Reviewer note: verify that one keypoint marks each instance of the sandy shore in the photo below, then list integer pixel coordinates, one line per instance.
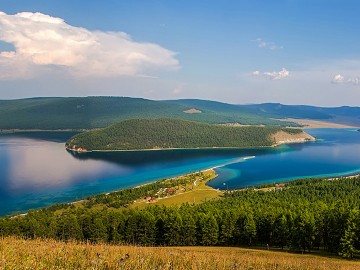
(307, 123)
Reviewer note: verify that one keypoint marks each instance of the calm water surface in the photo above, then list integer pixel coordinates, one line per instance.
(37, 171)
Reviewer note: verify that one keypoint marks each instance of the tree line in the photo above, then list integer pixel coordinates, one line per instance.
(174, 133)
(306, 215)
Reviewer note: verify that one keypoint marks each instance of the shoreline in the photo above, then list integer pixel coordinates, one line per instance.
(45, 130)
(311, 123)
(213, 168)
(192, 148)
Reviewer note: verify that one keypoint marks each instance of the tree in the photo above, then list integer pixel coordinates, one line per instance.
(207, 230)
(281, 231)
(245, 229)
(146, 229)
(226, 228)
(67, 227)
(304, 233)
(349, 241)
(115, 226)
(188, 230)
(172, 228)
(131, 228)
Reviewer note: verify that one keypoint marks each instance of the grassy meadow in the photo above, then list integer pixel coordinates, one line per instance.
(16, 253)
(194, 192)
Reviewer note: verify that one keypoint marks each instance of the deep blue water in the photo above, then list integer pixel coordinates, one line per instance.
(37, 171)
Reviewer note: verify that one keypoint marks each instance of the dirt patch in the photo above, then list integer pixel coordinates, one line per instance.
(193, 111)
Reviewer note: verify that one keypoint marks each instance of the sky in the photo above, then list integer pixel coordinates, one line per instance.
(235, 51)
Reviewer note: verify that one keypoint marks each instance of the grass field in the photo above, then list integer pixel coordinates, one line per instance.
(195, 192)
(49, 254)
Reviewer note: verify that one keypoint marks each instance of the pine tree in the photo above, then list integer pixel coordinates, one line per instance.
(188, 230)
(146, 229)
(349, 240)
(226, 228)
(281, 231)
(172, 228)
(209, 230)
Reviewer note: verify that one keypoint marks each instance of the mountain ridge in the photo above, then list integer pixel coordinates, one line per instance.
(53, 113)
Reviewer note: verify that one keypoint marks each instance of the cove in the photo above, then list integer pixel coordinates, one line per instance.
(37, 171)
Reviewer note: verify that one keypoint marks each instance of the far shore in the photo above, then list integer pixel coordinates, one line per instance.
(307, 123)
(193, 148)
(44, 130)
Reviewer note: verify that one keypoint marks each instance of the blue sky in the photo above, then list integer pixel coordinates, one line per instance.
(288, 51)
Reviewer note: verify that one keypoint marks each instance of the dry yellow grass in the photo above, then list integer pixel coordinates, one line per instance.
(49, 254)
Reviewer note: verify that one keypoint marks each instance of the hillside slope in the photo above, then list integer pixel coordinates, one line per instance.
(49, 254)
(342, 115)
(97, 112)
(173, 133)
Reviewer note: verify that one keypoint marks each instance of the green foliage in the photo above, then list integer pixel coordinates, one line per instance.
(349, 243)
(97, 112)
(306, 215)
(125, 197)
(171, 133)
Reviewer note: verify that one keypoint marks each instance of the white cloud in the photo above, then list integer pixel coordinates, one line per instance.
(267, 44)
(354, 81)
(44, 42)
(274, 75)
(339, 79)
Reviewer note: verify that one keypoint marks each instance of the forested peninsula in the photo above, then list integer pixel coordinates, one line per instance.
(155, 134)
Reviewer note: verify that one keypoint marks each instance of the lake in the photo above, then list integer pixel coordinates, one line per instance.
(36, 170)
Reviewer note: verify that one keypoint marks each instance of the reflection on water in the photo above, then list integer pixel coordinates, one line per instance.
(36, 170)
(136, 158)
(36, 165)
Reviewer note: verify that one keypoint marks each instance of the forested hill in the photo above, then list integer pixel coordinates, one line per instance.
(98, 112)
(304, 215)
(173, 133)
(342, 115)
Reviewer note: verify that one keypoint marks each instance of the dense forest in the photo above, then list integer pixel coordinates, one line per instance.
(303, 215)
(173, 133)
(51, 113)
(97, 112)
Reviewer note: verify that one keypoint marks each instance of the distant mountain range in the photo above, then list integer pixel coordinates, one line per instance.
(97, 112)
(342, 115)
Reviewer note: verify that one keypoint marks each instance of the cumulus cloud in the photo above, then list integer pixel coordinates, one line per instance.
(339, 79)
(44, 42)
(267, 44)
(274, 75)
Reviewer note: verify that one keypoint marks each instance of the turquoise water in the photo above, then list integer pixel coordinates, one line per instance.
(37, 171)
(336, 154)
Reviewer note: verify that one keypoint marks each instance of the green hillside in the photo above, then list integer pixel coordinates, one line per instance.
(97, 112)
(173, 133)
(341, 115)
(304, 215)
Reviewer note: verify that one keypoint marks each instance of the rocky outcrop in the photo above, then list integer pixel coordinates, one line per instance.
(282, 137)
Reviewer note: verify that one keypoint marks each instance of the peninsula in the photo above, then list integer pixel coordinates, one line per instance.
(159, 134)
